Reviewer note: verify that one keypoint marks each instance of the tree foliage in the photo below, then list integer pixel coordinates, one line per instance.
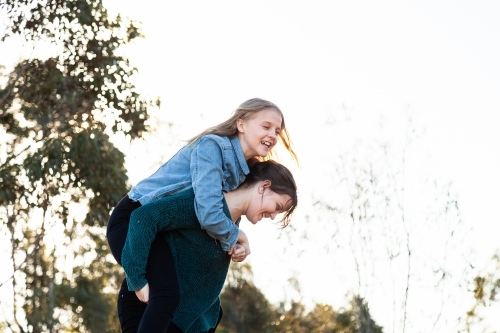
(485, 291)
(247, 310)
(60, 174)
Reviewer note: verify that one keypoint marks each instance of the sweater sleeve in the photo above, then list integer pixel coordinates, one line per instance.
(145, 222)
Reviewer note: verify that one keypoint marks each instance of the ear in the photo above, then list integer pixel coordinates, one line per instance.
(265, 184)
(240, 125)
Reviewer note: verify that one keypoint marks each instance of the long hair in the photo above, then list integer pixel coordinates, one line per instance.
(245, 111)
(282, 182)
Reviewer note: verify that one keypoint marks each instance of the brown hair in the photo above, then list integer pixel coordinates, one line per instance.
(282, 182)
(245, 111)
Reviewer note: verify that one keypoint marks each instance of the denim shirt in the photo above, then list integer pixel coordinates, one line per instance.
(210, 166)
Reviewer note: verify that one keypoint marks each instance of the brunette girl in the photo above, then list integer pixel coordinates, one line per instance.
(201, 264)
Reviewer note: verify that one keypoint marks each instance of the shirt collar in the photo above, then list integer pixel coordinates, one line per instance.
(235, 142)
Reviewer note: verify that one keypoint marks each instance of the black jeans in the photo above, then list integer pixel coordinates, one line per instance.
(164, 294)
(127, 302)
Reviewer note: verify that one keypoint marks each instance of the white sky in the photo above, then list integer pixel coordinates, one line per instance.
(437, 58)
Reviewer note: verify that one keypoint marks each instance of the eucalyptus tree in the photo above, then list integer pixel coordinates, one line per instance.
(60, 175)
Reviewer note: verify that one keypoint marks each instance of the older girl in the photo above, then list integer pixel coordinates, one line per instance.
(201, 264)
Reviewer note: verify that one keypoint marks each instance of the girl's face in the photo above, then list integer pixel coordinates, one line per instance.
(266, 204)
(258, 135)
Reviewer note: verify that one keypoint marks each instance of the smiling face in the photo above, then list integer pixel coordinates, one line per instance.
(266, 204)
(259, 134)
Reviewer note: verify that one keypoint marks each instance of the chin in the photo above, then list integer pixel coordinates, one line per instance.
(264, 154)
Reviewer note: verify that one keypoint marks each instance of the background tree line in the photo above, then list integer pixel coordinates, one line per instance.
(247, 310)
(60, 175)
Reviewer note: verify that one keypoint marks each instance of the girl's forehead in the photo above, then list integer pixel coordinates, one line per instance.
(268, 114)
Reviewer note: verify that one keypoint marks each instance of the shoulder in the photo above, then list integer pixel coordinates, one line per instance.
(222, 141)
(214, 144)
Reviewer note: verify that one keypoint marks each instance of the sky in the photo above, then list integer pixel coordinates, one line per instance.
(321, 62)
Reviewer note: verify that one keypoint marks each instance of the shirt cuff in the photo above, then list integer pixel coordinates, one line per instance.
(226, 246)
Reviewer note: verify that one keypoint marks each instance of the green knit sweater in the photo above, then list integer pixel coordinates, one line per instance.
(200, 262)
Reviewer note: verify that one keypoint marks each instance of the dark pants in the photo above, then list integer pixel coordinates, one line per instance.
(164, 294)
(127, 302)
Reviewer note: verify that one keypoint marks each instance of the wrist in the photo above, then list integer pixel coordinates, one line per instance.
(242, 237)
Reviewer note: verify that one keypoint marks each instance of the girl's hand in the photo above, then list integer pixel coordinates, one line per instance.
(238, 253)
(243, 240)
(143, 294)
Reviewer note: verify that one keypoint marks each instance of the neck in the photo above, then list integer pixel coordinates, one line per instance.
(237, 202)
(244, 148)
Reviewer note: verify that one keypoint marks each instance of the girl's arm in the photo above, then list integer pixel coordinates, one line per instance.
(207, 176)
(145, 222)
(243, 242)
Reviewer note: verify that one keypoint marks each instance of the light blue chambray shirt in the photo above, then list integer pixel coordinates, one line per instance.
(210, 166)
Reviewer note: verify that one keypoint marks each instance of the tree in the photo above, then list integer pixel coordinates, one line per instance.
(394, 233)
(61, 174)
(247, 310)
(485, 289)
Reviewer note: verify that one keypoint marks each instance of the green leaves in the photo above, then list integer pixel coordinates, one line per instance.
(58, 113)
(246, 309)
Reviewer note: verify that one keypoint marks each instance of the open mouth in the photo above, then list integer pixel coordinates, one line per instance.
(267, 144)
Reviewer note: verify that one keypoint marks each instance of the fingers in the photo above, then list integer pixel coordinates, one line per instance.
(143, 294)
(238, 258)
(239, 253)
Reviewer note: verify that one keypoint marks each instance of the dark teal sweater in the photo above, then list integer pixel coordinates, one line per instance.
(200, 262)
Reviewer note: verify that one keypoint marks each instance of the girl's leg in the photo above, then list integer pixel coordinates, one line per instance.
(174, 329)
(164, 294)
(117, 227)
(130, 309)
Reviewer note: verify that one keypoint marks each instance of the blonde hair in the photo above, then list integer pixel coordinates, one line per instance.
(245, 111)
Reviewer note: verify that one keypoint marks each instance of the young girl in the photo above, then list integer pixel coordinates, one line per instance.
(213, 162)
(201, 264)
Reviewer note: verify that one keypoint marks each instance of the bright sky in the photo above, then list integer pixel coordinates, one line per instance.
(436, 58)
